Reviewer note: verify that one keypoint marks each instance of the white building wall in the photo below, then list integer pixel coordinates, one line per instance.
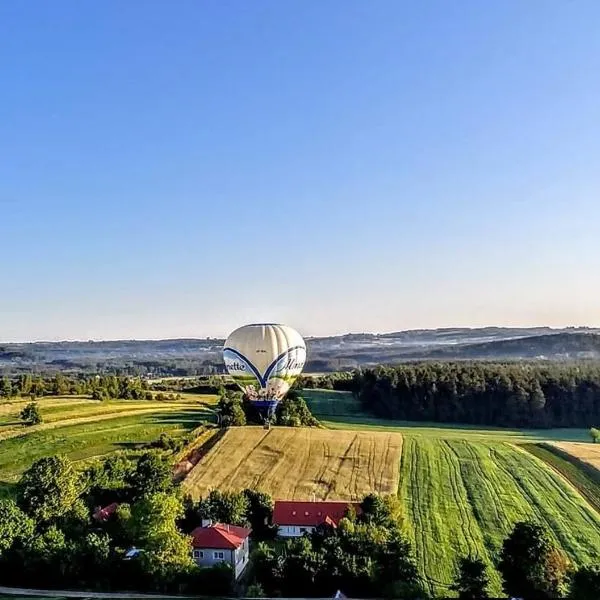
(238, 559)
(293, 530)
(241, 556)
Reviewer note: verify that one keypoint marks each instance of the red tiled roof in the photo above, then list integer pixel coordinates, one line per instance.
(219, 536)
(291, 512)
(105, 513)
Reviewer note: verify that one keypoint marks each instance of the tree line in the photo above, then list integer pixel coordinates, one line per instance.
(48, 535)
(99, 387)
(509, 395)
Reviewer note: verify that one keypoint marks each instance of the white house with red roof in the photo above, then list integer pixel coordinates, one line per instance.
(218, 542)
(295, 518)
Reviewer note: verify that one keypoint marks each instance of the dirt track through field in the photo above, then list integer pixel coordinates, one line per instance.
(300, 463)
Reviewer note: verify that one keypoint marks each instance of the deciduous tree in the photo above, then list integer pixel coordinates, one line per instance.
(530, 565)
(152, 474)
(153, 526)
(49, 488)
(472, 581)
(30, 415)
(14, 525)
(585, 584)
(225, 507)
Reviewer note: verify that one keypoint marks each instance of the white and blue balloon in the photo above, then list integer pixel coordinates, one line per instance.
(264, 360)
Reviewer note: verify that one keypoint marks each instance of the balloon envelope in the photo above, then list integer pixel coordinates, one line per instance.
(264, 360)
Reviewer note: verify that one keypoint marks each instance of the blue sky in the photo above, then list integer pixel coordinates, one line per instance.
(179, 168)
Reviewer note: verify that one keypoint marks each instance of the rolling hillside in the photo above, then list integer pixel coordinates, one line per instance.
(463, 497)
(460, 495)
(181, 357)
(462, 489)
(82, 428)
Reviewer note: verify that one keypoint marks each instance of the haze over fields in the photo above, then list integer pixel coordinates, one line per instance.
(203, 356)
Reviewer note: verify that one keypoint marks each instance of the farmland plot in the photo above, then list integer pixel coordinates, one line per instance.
(587, 453)
(300, 463)
(463, 497)
(81, 428)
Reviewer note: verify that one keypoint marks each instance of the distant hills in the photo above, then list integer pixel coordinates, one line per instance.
(202, 356)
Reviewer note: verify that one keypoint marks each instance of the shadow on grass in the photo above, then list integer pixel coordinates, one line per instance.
(7, 489)
(12, 423)
(456, 429)
(130, 445)
(187, 419)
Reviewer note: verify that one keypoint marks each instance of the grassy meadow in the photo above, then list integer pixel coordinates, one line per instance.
(463, 487)
(340, 410)
(583, 476)
(81, 428)
(462, 497)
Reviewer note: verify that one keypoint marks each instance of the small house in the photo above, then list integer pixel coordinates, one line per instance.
(295, 518)
(218, 542)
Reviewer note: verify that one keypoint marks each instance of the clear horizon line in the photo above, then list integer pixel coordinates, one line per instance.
(317, 336)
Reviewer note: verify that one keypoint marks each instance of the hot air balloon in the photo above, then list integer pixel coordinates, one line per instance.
(264, 359)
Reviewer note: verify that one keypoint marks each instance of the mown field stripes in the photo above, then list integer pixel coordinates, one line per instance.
(463, 498)
(580, 474)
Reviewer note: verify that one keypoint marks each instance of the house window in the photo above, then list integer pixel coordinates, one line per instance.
(198, 554)
(218, 555)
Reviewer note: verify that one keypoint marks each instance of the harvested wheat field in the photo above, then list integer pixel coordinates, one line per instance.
(295, 463)
(587, 453)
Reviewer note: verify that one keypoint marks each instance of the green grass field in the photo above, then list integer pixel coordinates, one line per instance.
(463, 487)
(463, 497)
(81, 428)
(581, 475)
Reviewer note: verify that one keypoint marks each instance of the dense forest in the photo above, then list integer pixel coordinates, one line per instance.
(509, 395)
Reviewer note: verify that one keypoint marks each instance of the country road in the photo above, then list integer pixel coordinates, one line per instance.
(10, 591)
